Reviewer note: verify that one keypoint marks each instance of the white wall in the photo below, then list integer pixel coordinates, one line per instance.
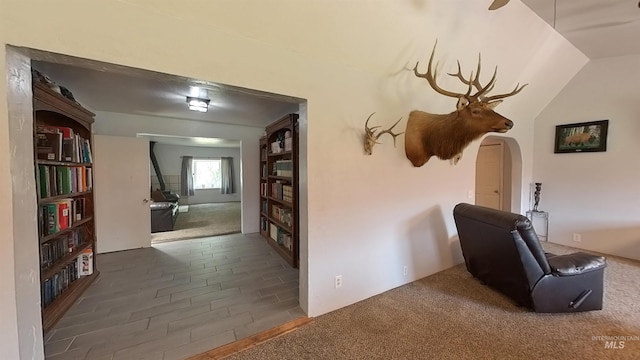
(368, 216)
(594, 194)
(20, 280)
(170, 161)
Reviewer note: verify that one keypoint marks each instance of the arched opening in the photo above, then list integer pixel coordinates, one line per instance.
(499, 174)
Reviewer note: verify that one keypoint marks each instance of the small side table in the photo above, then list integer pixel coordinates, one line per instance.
(540, 222)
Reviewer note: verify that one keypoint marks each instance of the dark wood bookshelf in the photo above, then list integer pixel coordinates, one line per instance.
(281, 250)
(282, 134)
(52, 313)
(56, 113)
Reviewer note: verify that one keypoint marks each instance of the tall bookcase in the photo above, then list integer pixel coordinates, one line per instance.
(279, 188)
(64, 179)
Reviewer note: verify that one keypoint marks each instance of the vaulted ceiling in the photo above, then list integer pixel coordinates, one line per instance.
(599, 28)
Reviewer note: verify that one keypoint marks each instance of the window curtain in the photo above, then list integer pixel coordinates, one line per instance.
(226, 174)
(186, 177)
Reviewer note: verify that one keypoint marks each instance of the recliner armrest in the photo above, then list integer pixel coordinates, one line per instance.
(575, 264)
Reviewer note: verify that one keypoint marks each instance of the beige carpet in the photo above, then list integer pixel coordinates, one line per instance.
(203, 220)
(450, 315)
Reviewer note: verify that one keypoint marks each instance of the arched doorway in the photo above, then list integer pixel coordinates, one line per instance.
(499, 174)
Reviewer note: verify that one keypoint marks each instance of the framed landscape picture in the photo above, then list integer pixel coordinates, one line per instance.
(581, 137)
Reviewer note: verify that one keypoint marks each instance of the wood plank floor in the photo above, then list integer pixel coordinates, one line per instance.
(178, 299)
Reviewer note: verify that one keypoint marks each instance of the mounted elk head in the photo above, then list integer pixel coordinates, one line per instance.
(371, 138)
(446, 136)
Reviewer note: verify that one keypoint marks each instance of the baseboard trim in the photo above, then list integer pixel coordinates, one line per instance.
(247, 343)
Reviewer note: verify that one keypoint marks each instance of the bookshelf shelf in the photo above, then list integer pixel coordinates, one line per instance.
(62, 163)
(282, 225)
(52, 270)
(279, 181)
(282, 251)
(75, 225)
(282, 153)
(52, 313)
(64, 181)
(51, 199)
(280, 201)
(280, 177)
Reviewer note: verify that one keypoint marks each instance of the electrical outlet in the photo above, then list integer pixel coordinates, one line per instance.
(338, 282)
(470, 195)
(577, 237)
(405, 271)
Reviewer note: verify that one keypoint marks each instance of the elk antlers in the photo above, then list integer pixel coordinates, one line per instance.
(371, 138)
(471, 82)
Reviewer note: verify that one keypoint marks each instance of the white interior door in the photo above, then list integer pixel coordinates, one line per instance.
(122, 183)
(489, 176)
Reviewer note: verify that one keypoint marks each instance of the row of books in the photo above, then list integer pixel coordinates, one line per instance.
(263, 189)
(56, 249)
(60, 215)
(283, 215)
(60, 281)
(264, 224)
(281, 236)
(282, 191)
(59, 143)
(264, 206)
(62, 180)
(283, 168)
(263, 153)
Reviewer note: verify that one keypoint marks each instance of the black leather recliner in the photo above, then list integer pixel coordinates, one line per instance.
(502, 250)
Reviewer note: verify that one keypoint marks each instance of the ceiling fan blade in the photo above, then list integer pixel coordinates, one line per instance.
(497, 4)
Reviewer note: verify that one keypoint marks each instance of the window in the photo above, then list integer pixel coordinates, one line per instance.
(206, 174)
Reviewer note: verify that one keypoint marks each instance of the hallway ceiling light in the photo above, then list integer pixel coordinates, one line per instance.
(198, 104)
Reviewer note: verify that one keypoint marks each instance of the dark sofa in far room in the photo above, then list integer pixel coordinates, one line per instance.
(164, 210)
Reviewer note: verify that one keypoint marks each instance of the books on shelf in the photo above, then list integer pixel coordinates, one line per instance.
(63, 180)
(56, 249)
(283, 168)
(287, 193)
(49, 146)
(60, 215)
(283, 215)
(282, 191)
(263, 224)
(59, 143)
(58, 283)
(280, 236)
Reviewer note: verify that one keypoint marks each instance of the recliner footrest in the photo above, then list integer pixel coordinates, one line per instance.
(576, 263)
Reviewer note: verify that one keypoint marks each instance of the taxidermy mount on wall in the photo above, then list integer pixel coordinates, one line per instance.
(447, 135)
(371, 138)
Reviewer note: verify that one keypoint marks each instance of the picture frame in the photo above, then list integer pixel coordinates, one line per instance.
(581, 137)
